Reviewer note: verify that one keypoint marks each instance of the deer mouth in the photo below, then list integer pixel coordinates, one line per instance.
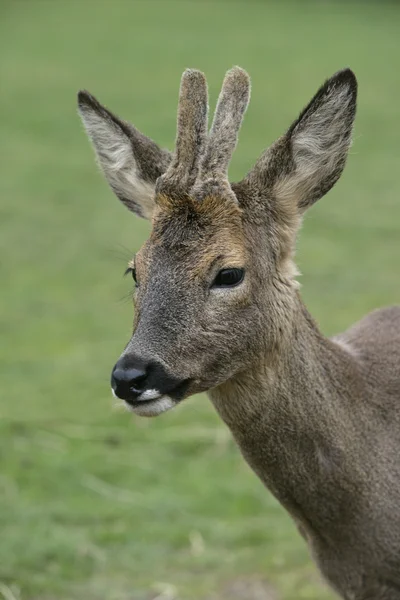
(152, 402)
(152, 407)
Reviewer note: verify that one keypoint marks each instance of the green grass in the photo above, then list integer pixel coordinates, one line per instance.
(94, 503)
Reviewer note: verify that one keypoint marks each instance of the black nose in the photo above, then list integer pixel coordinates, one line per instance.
(129, 380)
(132, 376)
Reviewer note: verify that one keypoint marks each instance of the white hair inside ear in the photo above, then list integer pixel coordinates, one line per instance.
(130, 161)
(115, 157)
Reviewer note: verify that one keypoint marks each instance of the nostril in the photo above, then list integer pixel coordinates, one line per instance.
(126, 382)
(136, 378)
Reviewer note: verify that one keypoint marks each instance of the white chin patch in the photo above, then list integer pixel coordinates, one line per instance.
(152, 408)
(151, 403)
(150, 395)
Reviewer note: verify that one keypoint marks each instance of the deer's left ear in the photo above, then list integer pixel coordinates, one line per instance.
(306, 162)
(131, 162)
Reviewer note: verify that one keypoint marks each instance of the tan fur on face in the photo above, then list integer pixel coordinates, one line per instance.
(210, 229)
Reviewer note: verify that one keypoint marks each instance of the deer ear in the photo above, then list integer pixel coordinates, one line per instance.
(130, 161)
(306, 162)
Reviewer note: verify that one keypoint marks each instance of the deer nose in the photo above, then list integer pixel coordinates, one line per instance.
(128, 383)
(136, 381)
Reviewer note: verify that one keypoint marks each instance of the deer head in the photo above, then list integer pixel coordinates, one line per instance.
(215, 282)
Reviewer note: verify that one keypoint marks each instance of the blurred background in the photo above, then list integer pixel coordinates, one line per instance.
(96, 503)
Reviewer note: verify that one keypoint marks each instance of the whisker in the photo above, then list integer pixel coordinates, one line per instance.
(126, 298)
(120, 252)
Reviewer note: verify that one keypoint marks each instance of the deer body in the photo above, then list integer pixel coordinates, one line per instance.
(321, 428)
(218, 310)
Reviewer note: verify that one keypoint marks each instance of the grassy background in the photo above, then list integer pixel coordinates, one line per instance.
(97, 504)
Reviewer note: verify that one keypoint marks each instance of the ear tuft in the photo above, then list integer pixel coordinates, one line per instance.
(86, 99)
(337, 94)
(89, 104)
(345, 77)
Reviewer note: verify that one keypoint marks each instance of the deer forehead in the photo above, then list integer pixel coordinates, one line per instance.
(194, 235)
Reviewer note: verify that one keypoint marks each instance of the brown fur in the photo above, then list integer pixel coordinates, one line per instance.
(231, 106)
(191, 136)
(317, 419)
(216, 219)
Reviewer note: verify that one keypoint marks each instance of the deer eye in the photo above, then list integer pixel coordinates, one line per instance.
(228, 278)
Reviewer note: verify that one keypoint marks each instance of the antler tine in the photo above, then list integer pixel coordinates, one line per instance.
(192, 123)
(231, 106)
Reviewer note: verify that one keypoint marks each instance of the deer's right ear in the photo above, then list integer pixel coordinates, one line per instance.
(130, 161)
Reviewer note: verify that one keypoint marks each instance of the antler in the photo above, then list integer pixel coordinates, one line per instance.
(192, 123)
(200, 162)
(231, 106)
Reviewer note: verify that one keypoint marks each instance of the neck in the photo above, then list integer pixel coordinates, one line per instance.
(289, 416)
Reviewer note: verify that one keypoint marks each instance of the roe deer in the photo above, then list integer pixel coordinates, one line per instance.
(218, 309)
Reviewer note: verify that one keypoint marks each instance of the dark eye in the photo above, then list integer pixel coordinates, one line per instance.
(228, 278)
(132, 271)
